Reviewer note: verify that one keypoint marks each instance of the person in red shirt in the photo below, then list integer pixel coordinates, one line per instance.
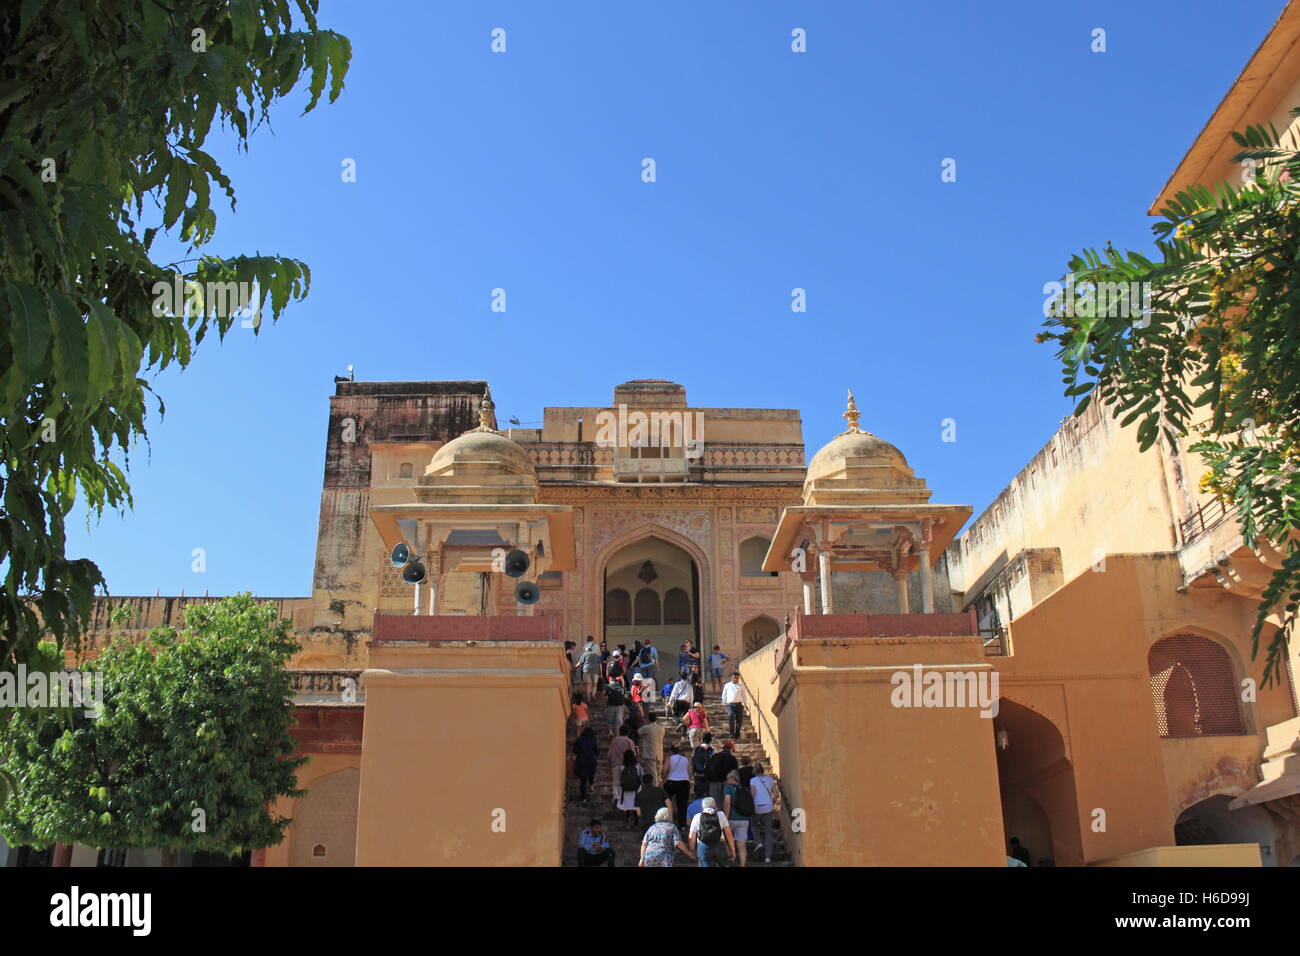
(696, 723)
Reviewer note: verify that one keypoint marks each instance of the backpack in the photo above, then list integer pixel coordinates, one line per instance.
(710, 828)
(616, 668)
(629, 779)
(714, 772)
(701, 759)
(645, 655)
(614, 696)
(589, 662)
(742, 802)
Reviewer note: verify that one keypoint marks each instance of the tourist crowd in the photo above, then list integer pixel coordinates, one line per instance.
(734, 798)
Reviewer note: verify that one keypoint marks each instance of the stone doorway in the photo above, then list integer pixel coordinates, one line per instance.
(1039, 802)
(651, 589)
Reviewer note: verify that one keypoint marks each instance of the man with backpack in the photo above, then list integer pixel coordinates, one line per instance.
(700, 758)
(710, 836)
(616, 672)
(629, 781)
(721, 763)
(614, 702)
(738, 806)
(648, 663)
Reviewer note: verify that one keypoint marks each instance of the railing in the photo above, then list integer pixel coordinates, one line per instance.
(743, 455)
(783, 806)
(1206, 518)
(324, 681)
(995, 641)
(561, 454)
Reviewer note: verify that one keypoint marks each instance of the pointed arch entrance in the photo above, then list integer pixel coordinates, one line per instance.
(1039, 802)
(758, 632)
(679, 578)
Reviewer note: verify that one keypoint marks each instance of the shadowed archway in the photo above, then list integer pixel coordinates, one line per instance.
(1036, 778)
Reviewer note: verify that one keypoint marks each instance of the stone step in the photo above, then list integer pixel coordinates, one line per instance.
(599, 803)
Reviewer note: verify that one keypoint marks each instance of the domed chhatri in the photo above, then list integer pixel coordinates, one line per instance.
(856, 461)
(480, 463)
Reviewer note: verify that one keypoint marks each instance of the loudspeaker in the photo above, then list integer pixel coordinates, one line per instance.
(517, 563)
(413, 573)
(526, 592)
(400, 555)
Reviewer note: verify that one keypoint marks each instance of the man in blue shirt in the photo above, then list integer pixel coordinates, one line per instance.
(694, 808)
(593, 846)
(648, 661)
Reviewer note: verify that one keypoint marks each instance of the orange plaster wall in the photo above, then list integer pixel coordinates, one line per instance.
(887, 785)
(1080, 659)
(463, 757)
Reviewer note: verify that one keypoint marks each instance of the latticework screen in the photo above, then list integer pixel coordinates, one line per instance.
(395, 595)
(1194, 689)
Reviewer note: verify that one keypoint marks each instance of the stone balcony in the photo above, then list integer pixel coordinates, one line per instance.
(627, 468)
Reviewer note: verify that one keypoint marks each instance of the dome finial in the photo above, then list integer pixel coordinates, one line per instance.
(851, 414)
(485, 412)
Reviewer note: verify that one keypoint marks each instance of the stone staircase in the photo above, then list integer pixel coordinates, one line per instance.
(600, 800)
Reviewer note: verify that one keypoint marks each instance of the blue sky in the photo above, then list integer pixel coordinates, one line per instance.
(775, 170)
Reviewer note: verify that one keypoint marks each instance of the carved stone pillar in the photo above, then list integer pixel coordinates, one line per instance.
(900, 577)
(824, 568)
(927, 580)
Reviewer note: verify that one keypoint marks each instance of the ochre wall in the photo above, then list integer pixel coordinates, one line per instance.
(1081, 661)
(463, 756)
(318, 767)
(880, 784)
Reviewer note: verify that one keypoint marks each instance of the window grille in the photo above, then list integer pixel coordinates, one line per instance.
(1194, 688)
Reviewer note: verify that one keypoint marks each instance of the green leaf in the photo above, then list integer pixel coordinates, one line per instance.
(71, 356)
(104, 337)
(29, 328)
(178, 190)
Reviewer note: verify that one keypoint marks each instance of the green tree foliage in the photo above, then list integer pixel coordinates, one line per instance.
(195, 721)
(1216, 357)
(105, 109)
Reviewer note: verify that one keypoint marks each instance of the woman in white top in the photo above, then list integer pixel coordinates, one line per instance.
(677, 781)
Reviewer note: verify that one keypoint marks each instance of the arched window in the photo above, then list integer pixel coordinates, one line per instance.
(758, 633)
(752, 552)
(404, 471)
(618, 608)
(1194, 689)
(647, 607)
(677, 607)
